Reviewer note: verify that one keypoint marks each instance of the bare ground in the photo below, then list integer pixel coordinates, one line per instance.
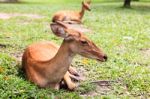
(145, 52)
(6, 16)
(101, 88)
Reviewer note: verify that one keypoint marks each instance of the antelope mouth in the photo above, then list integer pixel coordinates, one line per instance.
(100, 60)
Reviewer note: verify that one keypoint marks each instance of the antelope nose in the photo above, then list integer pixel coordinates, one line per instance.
(105, 57)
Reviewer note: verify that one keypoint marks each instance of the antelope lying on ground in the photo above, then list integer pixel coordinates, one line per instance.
(72, 16)
(46, 64)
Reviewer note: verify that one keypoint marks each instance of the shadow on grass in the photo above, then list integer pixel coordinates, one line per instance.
(137, 8)
(21, 72)
(141, 8)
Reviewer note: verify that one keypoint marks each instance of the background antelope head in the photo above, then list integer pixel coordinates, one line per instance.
(86, 5)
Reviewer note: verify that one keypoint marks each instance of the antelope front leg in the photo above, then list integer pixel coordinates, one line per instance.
(73, 71)
(74, 75)
(71, 85)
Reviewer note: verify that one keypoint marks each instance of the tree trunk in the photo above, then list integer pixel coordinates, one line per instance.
(127, 3)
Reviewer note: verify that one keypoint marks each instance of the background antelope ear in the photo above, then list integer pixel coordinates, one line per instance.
(83, 3)
(89, 1)
(58, 30)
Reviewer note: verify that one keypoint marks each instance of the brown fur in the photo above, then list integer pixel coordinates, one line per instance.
(46, 64)
(72, 16)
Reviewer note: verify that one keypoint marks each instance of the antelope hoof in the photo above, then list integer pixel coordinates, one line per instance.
(73, 71)
(72, 86)
(75, 78)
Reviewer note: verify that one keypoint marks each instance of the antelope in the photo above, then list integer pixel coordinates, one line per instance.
(46, 65)
(72, 16)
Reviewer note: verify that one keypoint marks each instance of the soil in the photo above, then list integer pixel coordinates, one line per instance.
(6, 16)
(3, 46)
(103, 87)
(145, 52)
(17, 56)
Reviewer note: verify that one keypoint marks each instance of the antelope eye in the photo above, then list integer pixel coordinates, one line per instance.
(84, 42)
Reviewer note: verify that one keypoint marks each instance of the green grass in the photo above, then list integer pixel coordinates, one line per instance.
(120, 32)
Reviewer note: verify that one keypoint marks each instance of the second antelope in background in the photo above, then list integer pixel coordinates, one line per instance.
(72, 16)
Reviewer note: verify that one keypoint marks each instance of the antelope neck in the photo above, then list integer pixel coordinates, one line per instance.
(82, 12)
(62, 60)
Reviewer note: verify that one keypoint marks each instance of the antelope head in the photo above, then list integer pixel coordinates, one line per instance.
(86, 5)
(78, 42)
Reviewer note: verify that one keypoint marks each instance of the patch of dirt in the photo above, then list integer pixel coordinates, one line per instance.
(82, 72)
(10, 15)
(103, 87)
(3, 45)
(17, 56)
(128, 38)
(145, 52)
(121, 49)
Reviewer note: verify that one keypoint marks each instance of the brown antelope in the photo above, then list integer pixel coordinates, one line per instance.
(72, 16)
(46, 64)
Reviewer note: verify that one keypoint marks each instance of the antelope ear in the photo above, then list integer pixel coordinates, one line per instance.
(62, 24)
(73, 36)
(89, 1)
(83, 2)
(69, 38)
(58, 30)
